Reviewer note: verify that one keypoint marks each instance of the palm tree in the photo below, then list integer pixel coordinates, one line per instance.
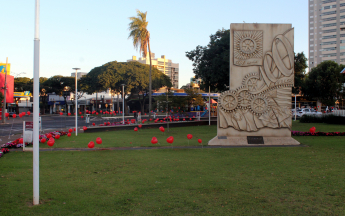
(141, 38)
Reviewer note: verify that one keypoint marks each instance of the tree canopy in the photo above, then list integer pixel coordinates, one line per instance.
(211, 62)
(324, 82)
(300, 70)
(133, 74)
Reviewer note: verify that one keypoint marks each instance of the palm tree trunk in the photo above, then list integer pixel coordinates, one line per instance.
(150, 82)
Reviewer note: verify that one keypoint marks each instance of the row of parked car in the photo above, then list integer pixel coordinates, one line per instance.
(305, 111)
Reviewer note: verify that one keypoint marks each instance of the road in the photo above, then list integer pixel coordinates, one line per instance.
(52, 122)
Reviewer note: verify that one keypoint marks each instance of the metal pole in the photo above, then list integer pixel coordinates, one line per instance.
(123, 103)
(36, 108)
(76, 101)
(5, 89)
(295, 108)
(209, 108)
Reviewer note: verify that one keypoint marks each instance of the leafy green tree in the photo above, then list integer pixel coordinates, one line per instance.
(133, 74)
(324, 82)
(211, 63)
(58, 84)
(23, 84)
(141, 38)
(174, 102)
(194, 98)
(300, 70)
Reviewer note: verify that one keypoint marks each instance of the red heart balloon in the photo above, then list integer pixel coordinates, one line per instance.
(190, 119)
(14, 115)
(91, 144)
(96, 113)
(57, 136)
(162, 129)
(61, 113)
(50, 143)
(7, 115)
(20, 115)
(99, 140)
(161, 121)
(69, 134)
(184, 119)
(140, 126)
(43, 140)
(150, 119)
(135, 129)
(84, 128)
(199, 141)
(154, 140)
(49, 136)
(170, 139)
(28, 112)
(21, 140)
(70, 130)
(312, 129)
(82, 116)
(68, 114)
(79, 113)
(93, 124)
(74, 129)
(189, 136)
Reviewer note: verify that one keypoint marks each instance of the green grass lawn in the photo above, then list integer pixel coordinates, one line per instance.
(237, 181)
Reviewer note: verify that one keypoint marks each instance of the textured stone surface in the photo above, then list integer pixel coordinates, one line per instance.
(261, 77)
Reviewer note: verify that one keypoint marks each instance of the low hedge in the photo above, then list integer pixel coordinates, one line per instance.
(329, 119)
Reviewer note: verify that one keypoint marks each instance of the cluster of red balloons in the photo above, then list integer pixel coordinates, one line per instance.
(92, 144)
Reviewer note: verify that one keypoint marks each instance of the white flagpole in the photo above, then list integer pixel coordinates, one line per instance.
(36, 108)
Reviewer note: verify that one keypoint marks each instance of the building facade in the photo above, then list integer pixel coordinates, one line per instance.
(326, 31)
(163, 64)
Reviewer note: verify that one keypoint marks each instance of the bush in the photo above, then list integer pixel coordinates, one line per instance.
(329, 119)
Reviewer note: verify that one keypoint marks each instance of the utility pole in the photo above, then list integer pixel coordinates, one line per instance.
(5, 88)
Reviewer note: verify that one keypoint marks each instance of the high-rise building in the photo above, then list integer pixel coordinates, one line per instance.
(326, 31)
(163, 64)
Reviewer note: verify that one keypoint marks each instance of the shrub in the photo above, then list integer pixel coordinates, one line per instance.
(329, 119)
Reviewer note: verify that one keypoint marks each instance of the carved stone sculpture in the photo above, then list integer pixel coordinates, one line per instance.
(261, 76)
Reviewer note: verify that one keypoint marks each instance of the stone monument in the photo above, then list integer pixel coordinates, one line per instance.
(257, 107)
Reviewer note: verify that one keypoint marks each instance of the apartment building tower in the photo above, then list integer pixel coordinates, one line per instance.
(326, 31)
(163, 64)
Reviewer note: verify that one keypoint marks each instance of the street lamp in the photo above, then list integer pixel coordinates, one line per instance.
(123, 103)
(76, 101)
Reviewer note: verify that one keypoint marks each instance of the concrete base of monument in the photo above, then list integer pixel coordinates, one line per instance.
(248, 141)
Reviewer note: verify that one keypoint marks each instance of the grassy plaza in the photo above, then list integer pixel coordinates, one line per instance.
(225, 181)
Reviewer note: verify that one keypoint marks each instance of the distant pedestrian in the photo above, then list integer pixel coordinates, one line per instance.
(135, 116)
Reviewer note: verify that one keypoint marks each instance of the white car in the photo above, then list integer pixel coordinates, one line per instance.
(307, 111)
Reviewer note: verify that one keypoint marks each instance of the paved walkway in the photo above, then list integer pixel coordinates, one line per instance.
(156, 147)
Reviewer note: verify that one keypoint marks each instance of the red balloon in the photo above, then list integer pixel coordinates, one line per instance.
(70, 130)
(49, 136)
(312, 129)
(161, 121)
(91, 144)
(96, 113)
(199, 140)
(150, 119)
(69, 134)
(99, 140)
(140, 126)
(190, 119)
(61, 113)
(84, 128)
(184, 119)
(162, 129)
(79, 113)
(28, 112)
(93, 124)
(189, 136)
(7, 115)
(68, 114)
(57, 136)
(43, 140)
(82, 116)
(170, 139)
(20, 115)
(23, 113)
(74, 129)
(154, 140)
(108, 123)
(101, 111)
(21, 140)
(50, 143)
(135, 129)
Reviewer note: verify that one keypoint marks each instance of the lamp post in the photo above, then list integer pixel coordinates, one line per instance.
(76, 101)
(123, 103)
